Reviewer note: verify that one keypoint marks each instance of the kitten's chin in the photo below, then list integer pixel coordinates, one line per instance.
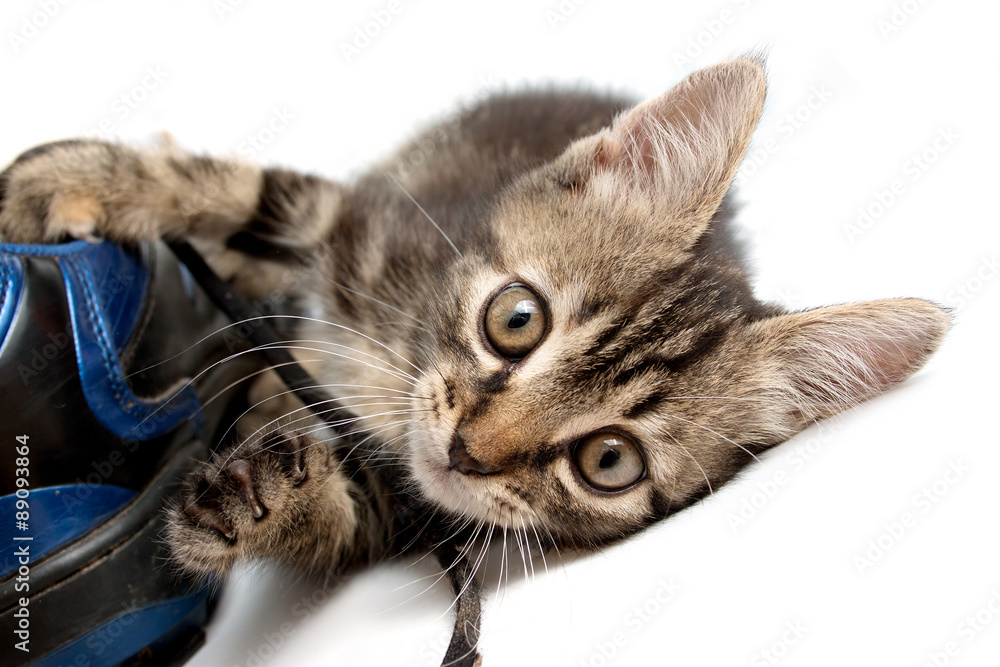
(457, 493)
(442, 486)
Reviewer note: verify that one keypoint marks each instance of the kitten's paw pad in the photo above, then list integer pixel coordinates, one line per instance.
(209, 503)
(208, 517)
(244, 501)
(250, 484)
(54, 191)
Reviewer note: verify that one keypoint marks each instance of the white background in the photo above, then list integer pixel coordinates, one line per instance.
(880, 95)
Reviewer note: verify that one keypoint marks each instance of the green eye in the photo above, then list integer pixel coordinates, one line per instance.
(609, 461)
(515, 322)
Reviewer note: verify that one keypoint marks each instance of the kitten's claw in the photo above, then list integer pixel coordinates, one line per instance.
(241, 472)
(293, 457)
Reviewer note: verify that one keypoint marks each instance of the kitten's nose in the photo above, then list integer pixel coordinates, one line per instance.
(462, 461)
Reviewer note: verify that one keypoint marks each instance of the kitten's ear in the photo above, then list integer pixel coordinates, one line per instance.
(827, 360)
(684, 147)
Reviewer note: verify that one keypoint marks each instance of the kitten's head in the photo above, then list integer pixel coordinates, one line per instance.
(604, 363)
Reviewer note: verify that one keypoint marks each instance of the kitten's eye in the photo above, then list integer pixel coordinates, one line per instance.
(609, 461)
(515, 322)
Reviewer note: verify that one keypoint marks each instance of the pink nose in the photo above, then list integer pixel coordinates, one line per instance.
(462, 461)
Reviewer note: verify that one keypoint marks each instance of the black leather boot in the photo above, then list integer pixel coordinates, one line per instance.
(110, 391)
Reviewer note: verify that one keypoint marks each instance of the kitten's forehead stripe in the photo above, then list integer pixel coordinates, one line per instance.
(590, 306)
(654, 364)
(606, 336)
(645, 405)
(670, 298)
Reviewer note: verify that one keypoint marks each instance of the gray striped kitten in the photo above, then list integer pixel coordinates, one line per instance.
(575, 353)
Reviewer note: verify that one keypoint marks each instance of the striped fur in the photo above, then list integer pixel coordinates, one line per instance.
(616, 215)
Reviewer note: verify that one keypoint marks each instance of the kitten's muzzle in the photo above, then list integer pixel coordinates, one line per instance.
(461, 460)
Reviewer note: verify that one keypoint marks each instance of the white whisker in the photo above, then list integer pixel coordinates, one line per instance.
(426, 215)
(423, 325)
(688, 421)
(691, 456)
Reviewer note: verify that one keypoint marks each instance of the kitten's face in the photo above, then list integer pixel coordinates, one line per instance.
(603, 361)
(561, 420)
(585, 379)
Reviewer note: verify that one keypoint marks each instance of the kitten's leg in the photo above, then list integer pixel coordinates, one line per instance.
(286, 499)
(85, 189)
(289, 500)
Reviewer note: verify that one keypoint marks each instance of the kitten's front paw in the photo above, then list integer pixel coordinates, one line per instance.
(55, 191)
(246, 502)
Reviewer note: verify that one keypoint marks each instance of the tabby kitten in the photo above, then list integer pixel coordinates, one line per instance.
(574, 354)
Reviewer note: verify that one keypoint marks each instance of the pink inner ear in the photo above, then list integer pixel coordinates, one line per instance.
(608, 153)
(845, 370)
(680, 150)
(639, 152)
(844, 355)
(686, 128)
(632, 147)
